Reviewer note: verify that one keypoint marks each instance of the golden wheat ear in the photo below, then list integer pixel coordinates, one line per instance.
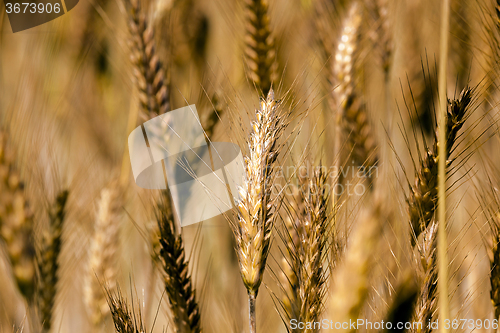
(256, 208)
(101, 268)
(353, 125)
(178, 282)
(16, 222)
(306, 247)
(48, 260)
(352, 278)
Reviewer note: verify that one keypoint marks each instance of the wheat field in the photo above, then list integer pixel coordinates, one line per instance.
(369, 196)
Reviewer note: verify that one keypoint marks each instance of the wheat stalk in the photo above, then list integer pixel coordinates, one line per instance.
(47, 260)
(259, 50)
(256, 208)
(423, 196)
(101, 269)
(16, 222)
(304, 282)
(178, 284)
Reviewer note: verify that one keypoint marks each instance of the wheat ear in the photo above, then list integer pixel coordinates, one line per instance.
(148, 70)
(16, 222)
(124, 319)
(178, 284)
(423, 196)
(101, 269)
(256, 207)
(48, 260)
(259, 45)
(304, 282)
(352, 279)
(352, 118)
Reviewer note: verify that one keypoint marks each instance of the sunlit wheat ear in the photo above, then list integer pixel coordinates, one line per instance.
(352, 278)
(427, 298)
(259, 45)
(381, 32)
(124, 318)
(256, 206)
(16, 222)
(422, 200)
(48, 258)
(352, 121)
(101, 267)
(178, 283)
(306, 237)
(149, 73)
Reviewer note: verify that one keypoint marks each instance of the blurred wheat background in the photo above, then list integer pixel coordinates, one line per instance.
(329, 89)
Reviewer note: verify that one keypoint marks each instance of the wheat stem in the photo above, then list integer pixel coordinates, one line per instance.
(443, 105)
(252, 298)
